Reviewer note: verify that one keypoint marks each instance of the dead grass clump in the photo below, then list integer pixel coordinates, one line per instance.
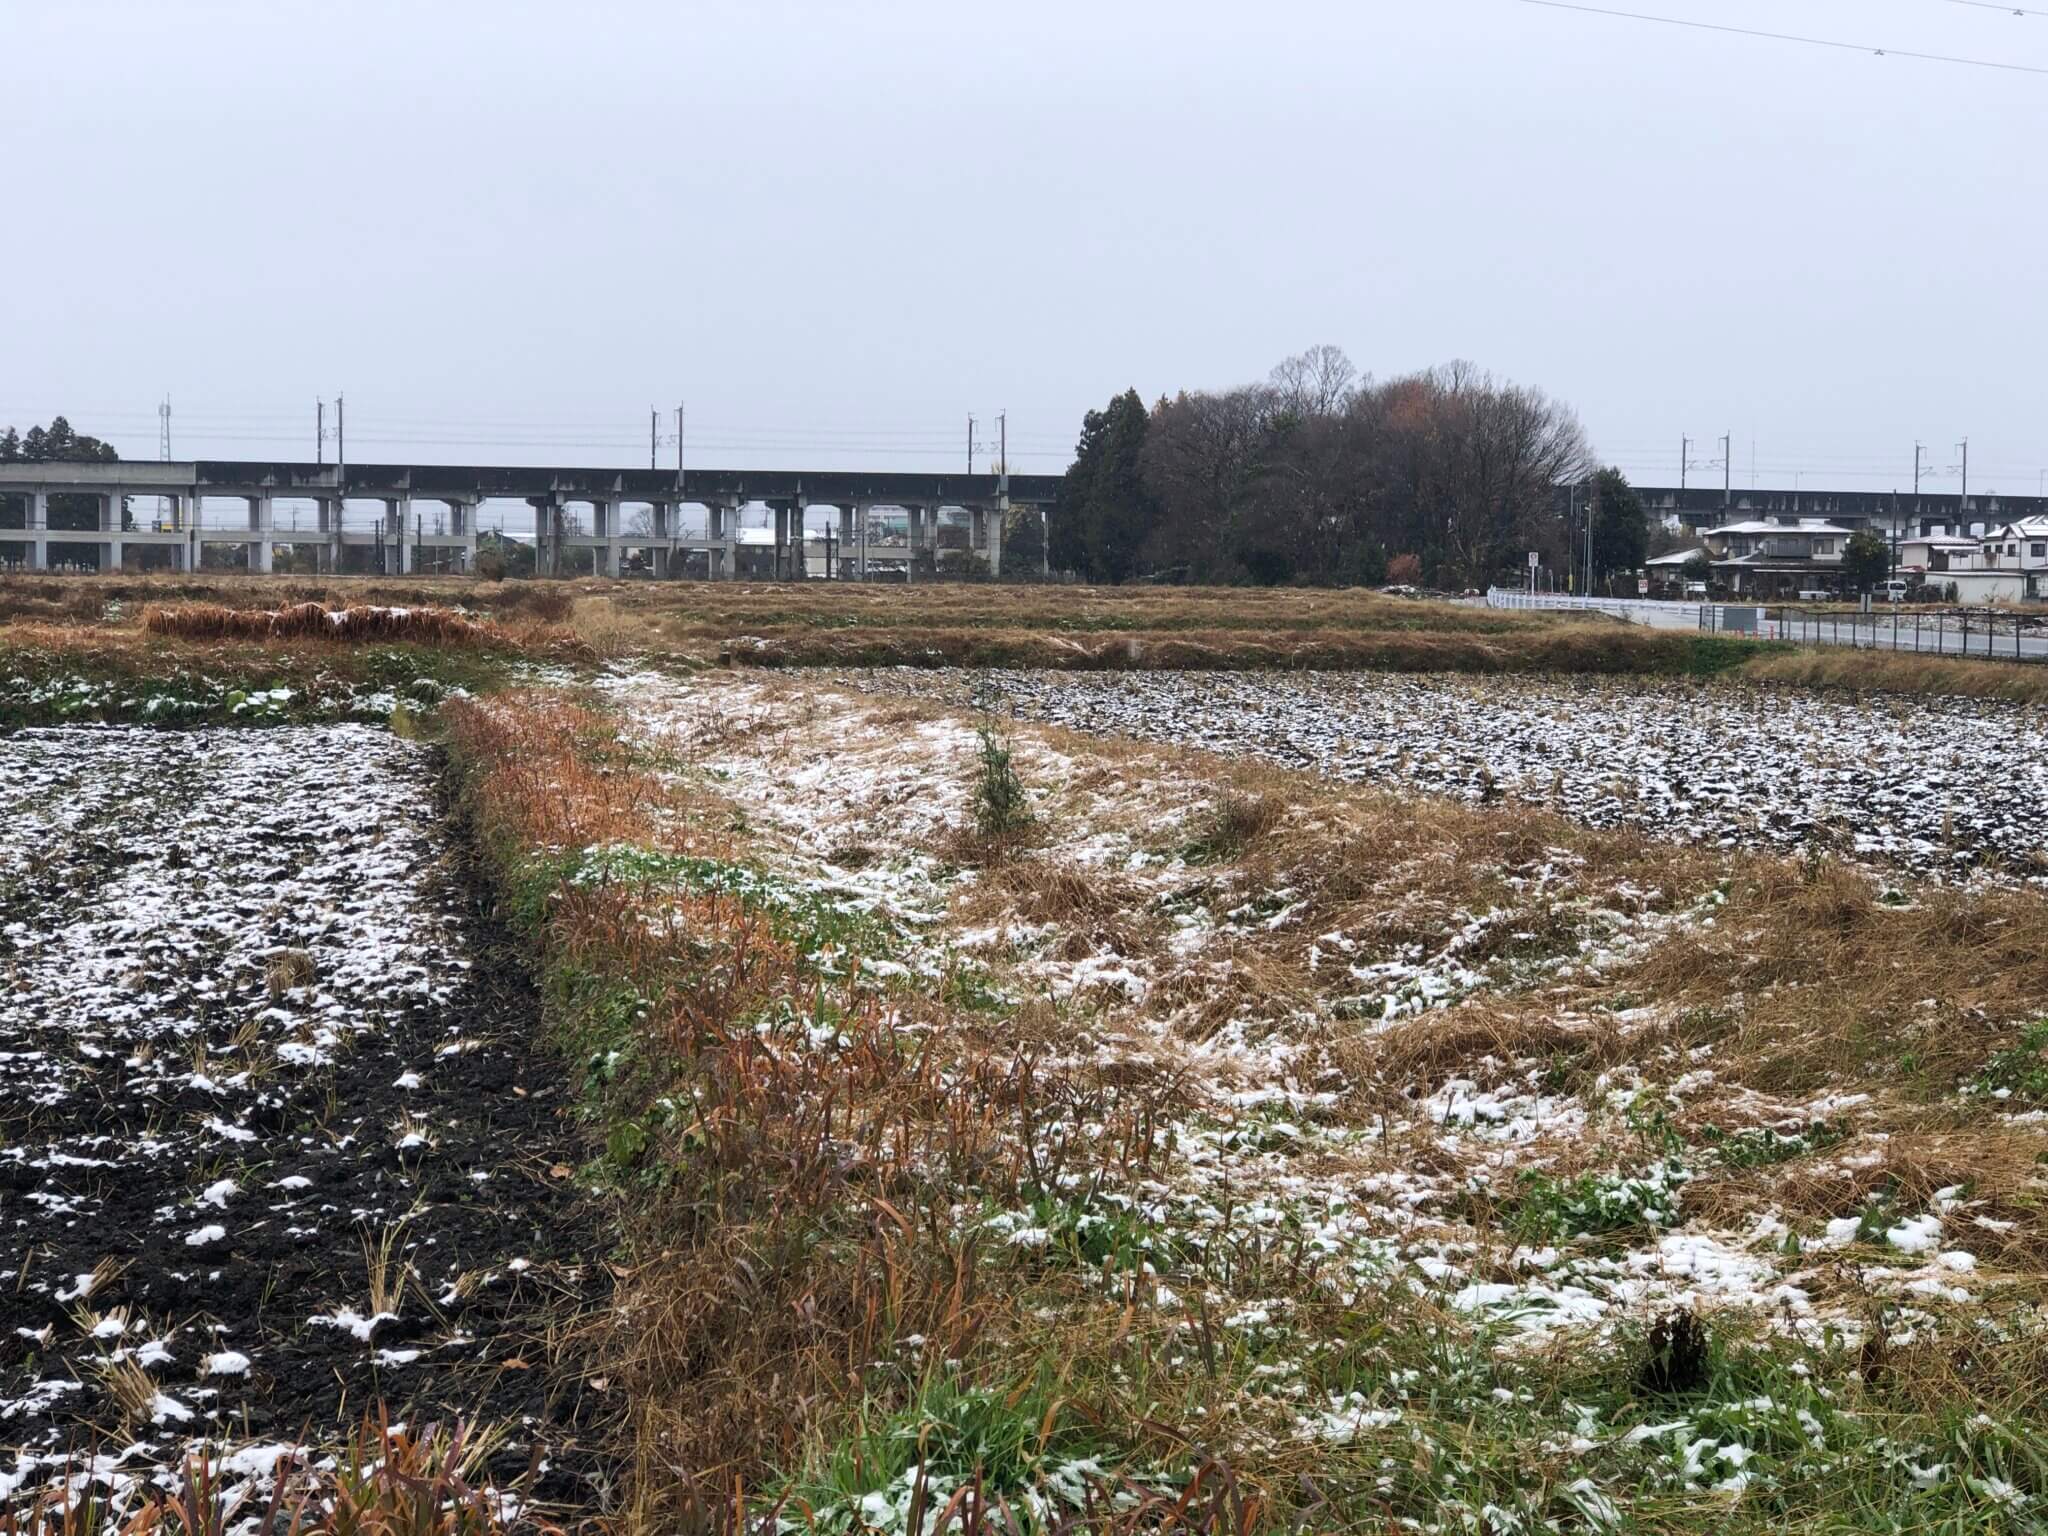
(1431, 1049)
(1837, 985)
(1886, 672)
(287, 969)
(1051, 893)
(547, 601)
(608, 628)
(1232, 824)
(132, 1389)
(41, 600)
(311, 621)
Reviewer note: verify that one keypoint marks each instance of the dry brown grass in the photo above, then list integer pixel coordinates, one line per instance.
(356, 625)
(812, 1214)
(1889, 672)
(1827, 984)
(287, 969)
(423, 1481)
(808, 1221)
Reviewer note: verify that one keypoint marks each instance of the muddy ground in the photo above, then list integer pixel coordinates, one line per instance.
(261, 1039)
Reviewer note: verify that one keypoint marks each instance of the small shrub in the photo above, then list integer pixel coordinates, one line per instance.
(1001, 807)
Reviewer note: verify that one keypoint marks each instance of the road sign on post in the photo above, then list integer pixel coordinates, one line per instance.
(1535, 559)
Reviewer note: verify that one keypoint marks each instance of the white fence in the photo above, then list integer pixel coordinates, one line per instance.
(1619, 607)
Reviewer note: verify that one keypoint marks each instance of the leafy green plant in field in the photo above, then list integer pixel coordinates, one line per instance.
(2020, 1071)
(1762, 1147)
(898, 1464)
(1088, 1234)
(812, 920)
(1594, 1204)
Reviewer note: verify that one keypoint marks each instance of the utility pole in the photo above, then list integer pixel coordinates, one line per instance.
(1592, 517)
(1571, 518)
(970, 442)
(1965, 446)
(653, 434)
(1918, 449)
(163, 416)
(1727, 470)
(1684, 463)
(320, 433)
(679, 445)
(340, 436)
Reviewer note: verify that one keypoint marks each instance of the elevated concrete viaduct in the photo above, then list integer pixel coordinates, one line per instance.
(402, 543)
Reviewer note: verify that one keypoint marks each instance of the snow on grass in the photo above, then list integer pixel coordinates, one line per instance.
(1260, 1146)
(1901, 781)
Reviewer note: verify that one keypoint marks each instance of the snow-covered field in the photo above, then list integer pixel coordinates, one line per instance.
(1274, 1118)
(1934, 785)
(264, 1133)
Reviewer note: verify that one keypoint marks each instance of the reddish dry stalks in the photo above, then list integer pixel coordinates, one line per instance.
(814, 1149)
(312, 621)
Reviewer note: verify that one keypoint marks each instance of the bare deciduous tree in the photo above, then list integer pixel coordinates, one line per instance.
(1318, 382)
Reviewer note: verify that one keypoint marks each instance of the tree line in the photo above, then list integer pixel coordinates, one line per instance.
(1320, 476)
(57, 444)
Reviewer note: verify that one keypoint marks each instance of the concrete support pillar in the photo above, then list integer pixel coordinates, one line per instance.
(38, 517)
(799, 560)
(110, 559)
(261, 522)
(110, 513)
(914, 517)
(725, 517)
(329, 557)
(407, 532)
(660, 519)
(844, 570)
(462, 521)
(863, 514)
(997, 520)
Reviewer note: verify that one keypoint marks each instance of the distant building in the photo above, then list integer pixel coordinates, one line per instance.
(1759, 558)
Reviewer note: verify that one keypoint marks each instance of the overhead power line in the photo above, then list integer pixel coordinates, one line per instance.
(1793, 37)
(1993, 5)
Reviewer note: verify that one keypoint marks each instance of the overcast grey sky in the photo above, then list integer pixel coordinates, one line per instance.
(506, 229)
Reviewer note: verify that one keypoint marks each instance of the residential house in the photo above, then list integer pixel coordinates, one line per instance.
(1777, 559)
(2012, 564)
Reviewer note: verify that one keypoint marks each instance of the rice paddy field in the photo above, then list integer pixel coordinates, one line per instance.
(554, 1080)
